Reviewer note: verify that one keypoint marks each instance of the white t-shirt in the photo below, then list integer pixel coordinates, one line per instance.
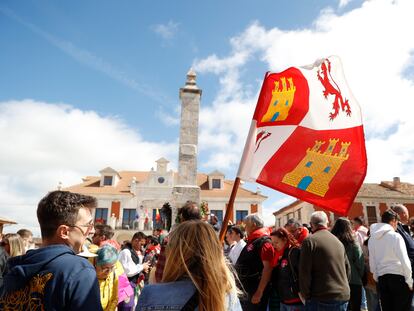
(128, 264)
(236, 250)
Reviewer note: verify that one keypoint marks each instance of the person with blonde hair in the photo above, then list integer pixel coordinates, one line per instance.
(13, 245)
(195, 274)
(27, 237)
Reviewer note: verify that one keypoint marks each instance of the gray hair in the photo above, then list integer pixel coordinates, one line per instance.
(254, 219)
(319, 218)
(293, 222)
(399, 208)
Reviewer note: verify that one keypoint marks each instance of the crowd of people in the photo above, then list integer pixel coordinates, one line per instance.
(345, 266)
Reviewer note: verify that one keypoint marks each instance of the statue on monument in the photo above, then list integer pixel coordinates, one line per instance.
(112, 221)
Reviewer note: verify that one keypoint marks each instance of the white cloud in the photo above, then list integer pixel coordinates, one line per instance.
(169, 119)
(166, 31)
(344, 3)
(373, 43)
(269, 209)
(44, 143)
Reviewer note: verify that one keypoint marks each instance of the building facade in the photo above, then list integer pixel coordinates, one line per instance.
(130, 200)
(142, 200)
(371, 201)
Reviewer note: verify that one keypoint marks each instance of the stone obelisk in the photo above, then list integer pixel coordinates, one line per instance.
(186, 187)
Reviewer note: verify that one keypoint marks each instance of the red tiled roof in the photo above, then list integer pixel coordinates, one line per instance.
(384, 190)
(91, 185)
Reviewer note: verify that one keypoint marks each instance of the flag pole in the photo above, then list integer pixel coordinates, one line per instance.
(229, 209)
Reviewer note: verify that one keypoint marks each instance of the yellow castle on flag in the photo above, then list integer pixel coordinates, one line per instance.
(281, 101)
(317, 168)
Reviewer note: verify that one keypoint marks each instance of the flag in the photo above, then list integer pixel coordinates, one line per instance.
(306, 138)
(157, 216)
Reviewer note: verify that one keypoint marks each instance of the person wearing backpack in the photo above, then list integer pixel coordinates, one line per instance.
(285, 273)
(254, 265)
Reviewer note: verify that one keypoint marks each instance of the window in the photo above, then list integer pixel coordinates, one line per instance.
(219, 215)
(107, 181)
(308, 164)
(240, 216)
(128, 217)
(327, 169)
(216, 184)
(161, 180)
(372, 214)
(101, 215)
(279, 223)
(299, 214)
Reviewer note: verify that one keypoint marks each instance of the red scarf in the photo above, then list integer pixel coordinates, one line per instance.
(258, 233)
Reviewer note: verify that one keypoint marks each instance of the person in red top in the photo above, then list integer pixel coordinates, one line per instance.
(285, 274)
(254, 265)
(298, 231)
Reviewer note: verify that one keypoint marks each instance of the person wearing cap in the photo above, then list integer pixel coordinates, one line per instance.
(106, 259)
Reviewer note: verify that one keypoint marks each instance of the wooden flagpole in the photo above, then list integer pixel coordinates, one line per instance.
(229, 209)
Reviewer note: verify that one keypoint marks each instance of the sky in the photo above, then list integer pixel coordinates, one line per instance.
(90, 84)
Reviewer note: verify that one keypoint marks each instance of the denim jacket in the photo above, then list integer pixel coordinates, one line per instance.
(173, 296)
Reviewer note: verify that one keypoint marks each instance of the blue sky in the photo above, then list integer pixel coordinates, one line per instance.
(89, 84)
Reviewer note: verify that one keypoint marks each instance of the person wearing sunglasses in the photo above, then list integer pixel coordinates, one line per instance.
(53, 277)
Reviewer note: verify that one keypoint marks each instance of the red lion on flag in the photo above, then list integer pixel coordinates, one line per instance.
(331, 88)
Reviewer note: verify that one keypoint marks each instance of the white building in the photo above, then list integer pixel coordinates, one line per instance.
(127, 194)
(130, 199)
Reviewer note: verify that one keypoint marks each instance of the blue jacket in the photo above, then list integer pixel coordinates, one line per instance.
(50, 278)
(172, 296)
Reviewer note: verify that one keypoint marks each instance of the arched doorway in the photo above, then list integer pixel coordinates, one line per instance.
(305, 182)
(166, 216)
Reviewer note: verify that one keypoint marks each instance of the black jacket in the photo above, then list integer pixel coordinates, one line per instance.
(285, 274)
(409, 243)
(249, 266)
(3, 264)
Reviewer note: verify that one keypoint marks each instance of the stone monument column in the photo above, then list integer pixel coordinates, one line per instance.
(186, 187)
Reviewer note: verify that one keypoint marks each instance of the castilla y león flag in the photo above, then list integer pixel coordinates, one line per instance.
(306, 138)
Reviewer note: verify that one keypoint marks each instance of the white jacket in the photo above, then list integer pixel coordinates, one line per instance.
(387, 253)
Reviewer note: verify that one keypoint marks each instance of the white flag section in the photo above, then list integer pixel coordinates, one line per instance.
(306, 138)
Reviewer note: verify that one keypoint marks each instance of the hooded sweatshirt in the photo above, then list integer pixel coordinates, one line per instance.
(50, 278)
(387, 253)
